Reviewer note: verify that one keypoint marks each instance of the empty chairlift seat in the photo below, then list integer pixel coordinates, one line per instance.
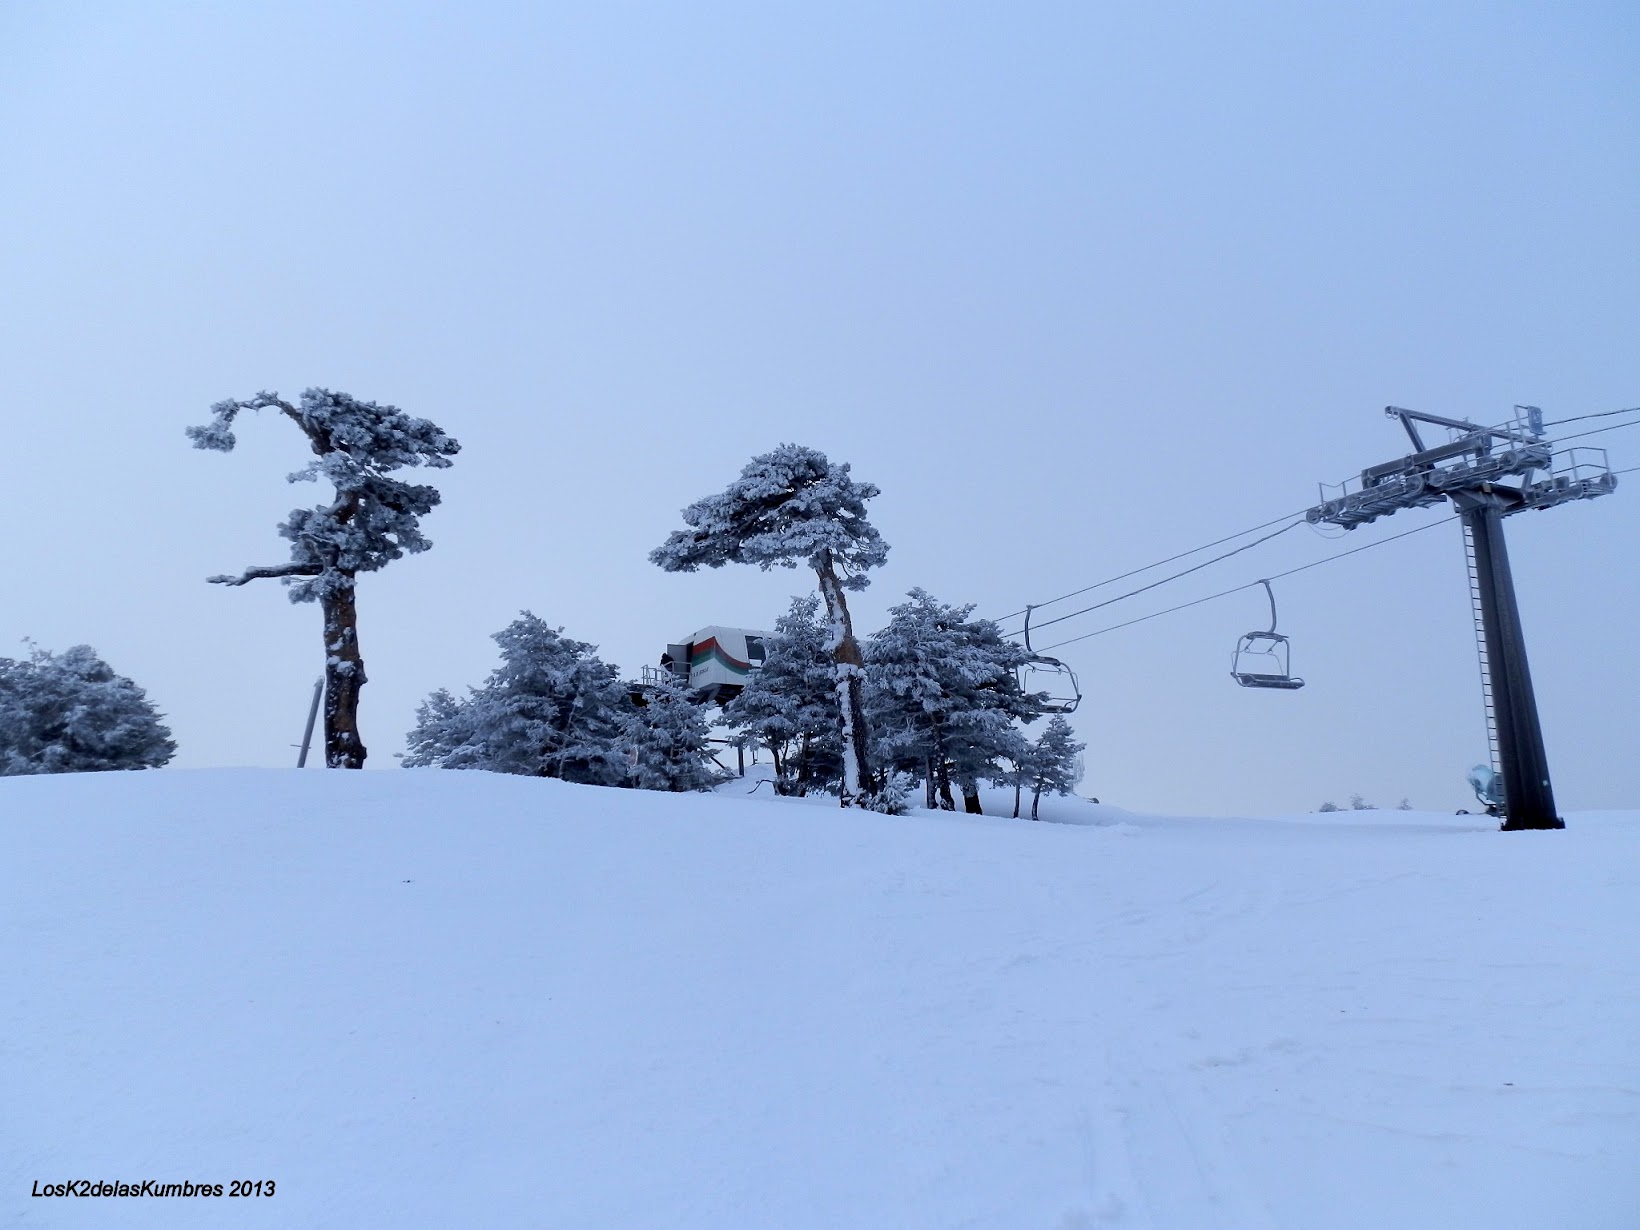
(1264, 659)
(1055, 680)
(1048, 677)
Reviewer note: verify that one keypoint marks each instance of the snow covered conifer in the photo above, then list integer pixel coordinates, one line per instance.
(551, 709)
(1055, 761)
(371, 520)
(446, 734)
(984, 747)
(665, 740)
(943, 696)
(985, 739)
(789, 507)
(70, 713)
(790, 706)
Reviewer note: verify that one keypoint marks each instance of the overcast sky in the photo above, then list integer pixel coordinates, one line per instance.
(1077, 285)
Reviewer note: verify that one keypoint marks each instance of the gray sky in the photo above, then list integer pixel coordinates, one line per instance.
(1078, 285)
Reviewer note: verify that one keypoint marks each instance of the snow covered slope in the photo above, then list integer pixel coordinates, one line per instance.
(424, 999)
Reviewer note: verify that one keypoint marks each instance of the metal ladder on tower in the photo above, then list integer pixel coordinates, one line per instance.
(1480, 649)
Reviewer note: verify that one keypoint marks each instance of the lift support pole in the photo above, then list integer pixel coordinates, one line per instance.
(1468, 471)
(1529, 801)
(313, 714)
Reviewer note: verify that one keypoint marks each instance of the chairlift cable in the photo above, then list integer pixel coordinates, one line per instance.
(1193, 568)
(1224, 593)
(1604, 414)
(1598, 430)
(1206, 546)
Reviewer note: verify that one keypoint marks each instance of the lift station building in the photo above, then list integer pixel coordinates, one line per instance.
(716, 661)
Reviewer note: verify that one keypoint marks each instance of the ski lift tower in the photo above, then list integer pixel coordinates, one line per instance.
(1471, 470)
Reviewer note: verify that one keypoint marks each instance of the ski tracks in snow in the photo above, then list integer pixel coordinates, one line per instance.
(1160, 1146)
(1161, 1154)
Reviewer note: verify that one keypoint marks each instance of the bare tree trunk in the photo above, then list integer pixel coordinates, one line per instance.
(344, 676)
(970, 799)
(1016, 798)
(856, 768)
(928, 782)
(848, 669)
(941, 774)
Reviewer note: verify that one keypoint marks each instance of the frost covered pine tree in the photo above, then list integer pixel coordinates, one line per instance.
(446, 734)
(944, 695)
(552, 708)
(371, 520)
(665, 740)
(789, 507)
(1055, 762)
(790, 706)
(70, 713)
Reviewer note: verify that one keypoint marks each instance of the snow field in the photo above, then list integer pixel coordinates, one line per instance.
(432, 999)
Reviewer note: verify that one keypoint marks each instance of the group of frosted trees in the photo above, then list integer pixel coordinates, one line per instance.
(941, 702)
(554, 709)
(932, 698)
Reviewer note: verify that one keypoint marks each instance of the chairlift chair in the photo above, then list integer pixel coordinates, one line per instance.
(1264, 659)
(1049, 676)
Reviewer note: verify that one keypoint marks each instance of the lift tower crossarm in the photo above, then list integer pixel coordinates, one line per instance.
(1420, 479)
(1407, 417)
(1476, 439)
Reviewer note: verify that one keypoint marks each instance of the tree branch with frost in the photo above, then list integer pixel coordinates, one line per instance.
(271, 570)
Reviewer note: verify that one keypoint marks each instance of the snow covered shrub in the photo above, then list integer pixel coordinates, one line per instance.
(1329, 807)
(551, 709)
(70, 713)
(894, 796)
(1357, 803)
